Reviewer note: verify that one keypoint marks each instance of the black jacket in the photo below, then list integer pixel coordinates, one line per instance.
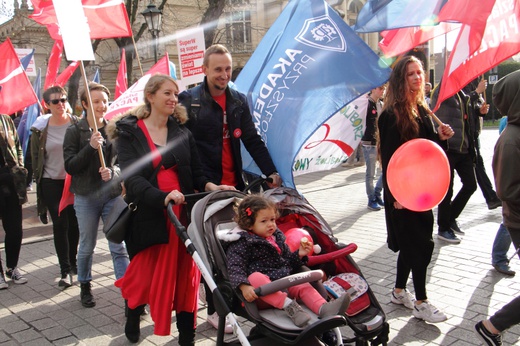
(206, 123)
(149, 224)
(82, 161)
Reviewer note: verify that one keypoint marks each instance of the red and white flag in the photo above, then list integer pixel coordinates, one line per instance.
(64, 77)
(106, 18)
(500, 41)
(16, 91)
(121, 80)
(134, 95)
(53, 67)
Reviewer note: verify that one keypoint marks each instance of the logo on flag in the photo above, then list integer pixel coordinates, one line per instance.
(322, 33)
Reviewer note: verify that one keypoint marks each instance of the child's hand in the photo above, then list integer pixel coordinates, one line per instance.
(305, 247)
(248, 292)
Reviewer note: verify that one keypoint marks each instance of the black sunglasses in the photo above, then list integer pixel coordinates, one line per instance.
(55, 102)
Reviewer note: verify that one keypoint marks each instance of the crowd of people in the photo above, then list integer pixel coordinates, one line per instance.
(179, 143)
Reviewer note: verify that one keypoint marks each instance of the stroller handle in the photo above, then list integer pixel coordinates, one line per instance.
(288, 281)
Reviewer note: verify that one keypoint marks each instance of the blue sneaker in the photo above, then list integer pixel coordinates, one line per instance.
(448, 236)
(380, 202)
(373, 205)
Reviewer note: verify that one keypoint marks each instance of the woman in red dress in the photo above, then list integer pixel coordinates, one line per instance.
(160, 163)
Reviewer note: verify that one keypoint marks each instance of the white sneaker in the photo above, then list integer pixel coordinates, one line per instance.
(15, 276)
(403, 298)
(3, 284)
(428, 312)
(213, 320)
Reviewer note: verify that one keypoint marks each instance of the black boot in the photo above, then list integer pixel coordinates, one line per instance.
(185, 326)
(132, 329)
(87, 299)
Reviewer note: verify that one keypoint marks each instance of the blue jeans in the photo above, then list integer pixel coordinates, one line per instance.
(501, 246)
(370, 153)
(89, 209)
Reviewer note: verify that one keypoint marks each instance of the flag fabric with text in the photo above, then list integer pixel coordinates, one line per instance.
(309, 65)
(380, 15)
(500, 41)
(16, 91)
(121, 80)
(106, 18)
(53, 67)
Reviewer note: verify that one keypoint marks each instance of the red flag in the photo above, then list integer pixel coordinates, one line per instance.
(399, 41)
(500, 41)
(16, 91)
(66, 74)
(54, 64)
(106, 18)
(162, 66)
(67, 197)
(468, 12)
(121, 81)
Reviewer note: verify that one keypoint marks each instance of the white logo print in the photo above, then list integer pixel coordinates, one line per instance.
(322, 32)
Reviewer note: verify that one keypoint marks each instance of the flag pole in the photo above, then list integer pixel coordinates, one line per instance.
(137, 56)
(90, 112)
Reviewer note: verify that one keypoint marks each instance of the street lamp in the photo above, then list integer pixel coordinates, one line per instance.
(153, 17)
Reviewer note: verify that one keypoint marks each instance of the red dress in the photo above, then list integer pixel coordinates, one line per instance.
(163, 276)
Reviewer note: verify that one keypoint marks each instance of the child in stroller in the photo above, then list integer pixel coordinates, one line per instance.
(260, 255)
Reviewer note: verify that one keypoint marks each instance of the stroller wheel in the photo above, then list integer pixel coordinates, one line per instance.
(329, 338)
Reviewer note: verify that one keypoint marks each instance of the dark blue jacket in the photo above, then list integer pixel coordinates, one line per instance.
(206, 124)
(252, 253)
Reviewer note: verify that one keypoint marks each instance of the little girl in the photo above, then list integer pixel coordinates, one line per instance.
(261, 255)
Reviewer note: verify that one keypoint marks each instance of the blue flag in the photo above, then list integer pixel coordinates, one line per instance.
(309, 65)
(30, 114)
(379, 15)
(26, 60)
(96, 78)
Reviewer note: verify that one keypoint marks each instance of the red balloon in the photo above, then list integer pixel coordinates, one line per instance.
(294, 236)
(418, 174)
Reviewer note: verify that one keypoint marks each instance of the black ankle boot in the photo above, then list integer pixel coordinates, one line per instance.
(87, 299)
(185, 326)
(132, 329)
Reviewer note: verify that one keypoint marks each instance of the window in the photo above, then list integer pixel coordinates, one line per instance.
(238, 32)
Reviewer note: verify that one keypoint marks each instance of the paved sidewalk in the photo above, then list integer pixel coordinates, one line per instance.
(462, 282)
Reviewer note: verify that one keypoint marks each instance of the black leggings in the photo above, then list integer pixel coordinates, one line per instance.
(11, 212)
(64, 227)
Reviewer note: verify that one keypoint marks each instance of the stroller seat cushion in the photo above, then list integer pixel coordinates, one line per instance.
(352, 284)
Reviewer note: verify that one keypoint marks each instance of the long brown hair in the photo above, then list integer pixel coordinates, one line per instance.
(401, 101)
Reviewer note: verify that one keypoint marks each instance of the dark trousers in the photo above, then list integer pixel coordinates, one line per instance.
(448, 210)
(11, 212)
(483, 181)
(65, 226)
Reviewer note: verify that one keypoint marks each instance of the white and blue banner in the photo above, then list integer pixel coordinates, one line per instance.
(308, 66)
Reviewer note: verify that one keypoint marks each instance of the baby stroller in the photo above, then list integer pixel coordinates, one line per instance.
(213, 216)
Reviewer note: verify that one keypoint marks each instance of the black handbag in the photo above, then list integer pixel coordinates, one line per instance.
(118, 220)
(120, 217)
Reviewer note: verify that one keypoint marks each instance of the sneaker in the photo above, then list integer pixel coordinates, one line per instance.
(448, 236)
(428, 313)
(16, 276)
(493, 204)
(380, 202)
(65, 281)
(455, 227)
(299, 317)
(486, 336)
(3, 284)
(403, 298)
(335, 307)
(504, 269)
(213, 320)
(373, 205)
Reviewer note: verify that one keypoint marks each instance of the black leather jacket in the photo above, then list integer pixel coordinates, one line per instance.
(206, 123)
(82, 161)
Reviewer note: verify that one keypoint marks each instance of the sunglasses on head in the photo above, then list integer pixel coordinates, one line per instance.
(55, 102)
